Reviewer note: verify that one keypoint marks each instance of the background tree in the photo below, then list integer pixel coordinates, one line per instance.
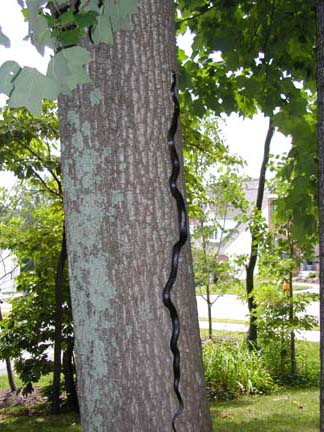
(320, 135)
(29, 150)
(33, 233)
(214, 273)
(246, 60)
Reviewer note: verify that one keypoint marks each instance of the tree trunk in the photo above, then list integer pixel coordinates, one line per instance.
(121, 224)
(10, 375)
(69, 381)
(320, 134)
(58, 327)
(252, 333)
(292, 333)
(209, 305)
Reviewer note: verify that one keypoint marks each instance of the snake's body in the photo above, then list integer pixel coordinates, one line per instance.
(183, 235)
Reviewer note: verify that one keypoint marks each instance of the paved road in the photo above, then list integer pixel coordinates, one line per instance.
(231, 307)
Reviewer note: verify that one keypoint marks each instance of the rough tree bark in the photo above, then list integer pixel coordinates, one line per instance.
(320, 133)
(121, 223)
(252, 333)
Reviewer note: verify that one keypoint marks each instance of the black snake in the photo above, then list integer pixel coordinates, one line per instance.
(183, 235)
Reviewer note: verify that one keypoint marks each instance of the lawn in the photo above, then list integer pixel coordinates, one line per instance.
(288, 411)
(32, 420)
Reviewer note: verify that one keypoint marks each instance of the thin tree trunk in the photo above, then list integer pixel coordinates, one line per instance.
(208, 301)
(252, 333)
(69, 373)
(320, 134)
(209, 305)
(292, 333)
(10, 375)
(121, 225)
(58, 327)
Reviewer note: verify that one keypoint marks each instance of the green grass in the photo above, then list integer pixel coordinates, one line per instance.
(44, 381)
(289, 411)
(26, 420)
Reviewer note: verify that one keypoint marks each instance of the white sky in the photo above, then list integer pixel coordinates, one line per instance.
(244, 137)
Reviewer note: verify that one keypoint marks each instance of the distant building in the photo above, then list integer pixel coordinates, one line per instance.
(9, 270)
(237, 241)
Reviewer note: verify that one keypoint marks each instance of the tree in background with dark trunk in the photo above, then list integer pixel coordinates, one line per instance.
(252, 333)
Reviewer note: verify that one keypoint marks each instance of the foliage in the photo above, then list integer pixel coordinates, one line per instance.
(28, 147)
(219, 275)
(60, 25)
(259, 56)
(33, 234)
(205, 155)
(232, 370)
(275, 323)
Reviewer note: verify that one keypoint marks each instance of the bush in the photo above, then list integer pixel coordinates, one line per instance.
(232, 370)
(276, 356)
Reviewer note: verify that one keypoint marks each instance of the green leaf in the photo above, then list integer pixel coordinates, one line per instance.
(30, 88)
(67, 68)
(120, 13)
(41, 34)
(33, 10)
(69, 37)
(86, 19)
(67, 18)
(89, 5)
(8, 71)
(4, 40)
(103, 31)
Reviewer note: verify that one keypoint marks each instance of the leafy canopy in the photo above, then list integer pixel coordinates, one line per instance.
(251, 56)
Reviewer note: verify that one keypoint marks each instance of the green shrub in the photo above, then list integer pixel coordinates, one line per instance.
(232, 370)
(276, 356)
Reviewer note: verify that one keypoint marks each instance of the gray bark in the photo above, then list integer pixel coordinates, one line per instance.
(320, 132)
(121, 223)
